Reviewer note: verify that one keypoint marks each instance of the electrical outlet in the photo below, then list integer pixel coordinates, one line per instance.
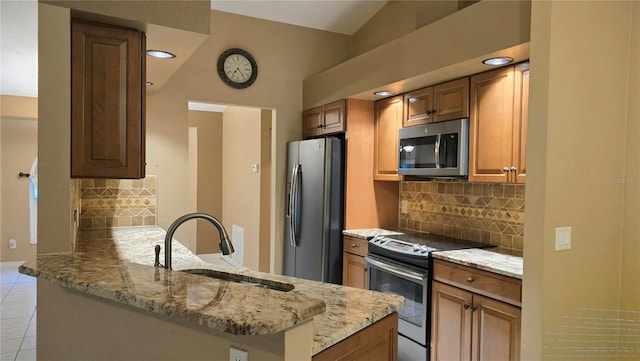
(12, 244)
(405, 206)
(238, 355)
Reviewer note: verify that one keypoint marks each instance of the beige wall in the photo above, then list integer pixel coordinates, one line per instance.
(241, 197)
(19, 143)
(631, 246)
(208, 176)
(285, 55)
(579, 112)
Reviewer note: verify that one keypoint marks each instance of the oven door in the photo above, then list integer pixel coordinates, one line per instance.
(411, 283)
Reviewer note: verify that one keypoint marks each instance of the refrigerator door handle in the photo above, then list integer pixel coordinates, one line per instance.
(293, 204)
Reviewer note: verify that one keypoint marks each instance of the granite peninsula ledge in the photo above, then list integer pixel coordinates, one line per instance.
(117, 264)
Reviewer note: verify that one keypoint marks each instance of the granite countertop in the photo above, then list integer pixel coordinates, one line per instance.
(368, 233)
(489, 259)
(117, 264)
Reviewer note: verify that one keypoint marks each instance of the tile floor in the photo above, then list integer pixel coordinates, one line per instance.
(17, 314)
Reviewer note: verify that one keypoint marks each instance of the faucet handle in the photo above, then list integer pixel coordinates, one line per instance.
(157, 262)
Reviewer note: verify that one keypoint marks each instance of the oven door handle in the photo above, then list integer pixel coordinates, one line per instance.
(395, 270)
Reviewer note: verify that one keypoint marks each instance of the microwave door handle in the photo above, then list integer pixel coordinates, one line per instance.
(395, 270)
(437, 146)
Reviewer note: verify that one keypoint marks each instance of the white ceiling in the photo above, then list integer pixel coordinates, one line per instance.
(19, 29)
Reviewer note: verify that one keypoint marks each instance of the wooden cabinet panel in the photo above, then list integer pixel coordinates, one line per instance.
(451, 100)
(491, 125)
(450, 323)
(467, 325)
(311, 120)
(498, 125)
(378, 342)
(355, 245)
(418, 106)
(107, 101)
(327, 119)
(437, 103)
(490, 284)
(521, 122)
(496, 330)
(354, 271)
(388, 119)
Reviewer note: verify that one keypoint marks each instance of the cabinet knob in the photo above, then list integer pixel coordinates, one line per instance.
(353, 245)
(505, 169)
(466, 307)
(513, 169)
(469, 279)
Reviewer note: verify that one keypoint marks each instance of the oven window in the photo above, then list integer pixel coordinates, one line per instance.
(413, 310)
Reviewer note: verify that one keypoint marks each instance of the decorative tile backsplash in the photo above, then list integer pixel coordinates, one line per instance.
(490, 213)
(118, 202)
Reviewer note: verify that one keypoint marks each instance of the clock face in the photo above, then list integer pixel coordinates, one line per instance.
(237, 68)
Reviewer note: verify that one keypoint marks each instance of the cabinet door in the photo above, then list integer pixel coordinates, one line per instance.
(451, 100)
(333, 117)
(418, 107)
(521, 120)
(491, 125)
(354, 272)
(450, 323)
(388, 119)
(496, 330)
(107, 101)
(311, 121)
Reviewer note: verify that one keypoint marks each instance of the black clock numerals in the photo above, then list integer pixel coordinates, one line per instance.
(237, 68)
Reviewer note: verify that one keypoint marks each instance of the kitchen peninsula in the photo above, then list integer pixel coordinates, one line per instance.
(108, 290)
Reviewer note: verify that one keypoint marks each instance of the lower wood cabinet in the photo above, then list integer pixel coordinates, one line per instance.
(354, 269)
(378, 342)
(469, 326)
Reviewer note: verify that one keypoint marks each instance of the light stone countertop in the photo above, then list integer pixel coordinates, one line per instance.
(117, 264)
(368, 233)
(484, 259)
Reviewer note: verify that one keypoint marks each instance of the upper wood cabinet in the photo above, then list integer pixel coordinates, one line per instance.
(107, 101)
(326, 119)
(475, 314)
(388, 119)
(437, 103)
(498, 125)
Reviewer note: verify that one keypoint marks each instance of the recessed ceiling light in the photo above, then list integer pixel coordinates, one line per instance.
(149, 83)
(500, 60)
(383, 93)
(161, 54)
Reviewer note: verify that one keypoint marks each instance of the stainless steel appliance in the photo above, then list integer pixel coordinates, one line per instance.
(401, 264)
(314, 214)
(435, 150)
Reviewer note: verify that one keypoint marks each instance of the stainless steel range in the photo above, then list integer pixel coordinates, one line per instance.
(401, 264)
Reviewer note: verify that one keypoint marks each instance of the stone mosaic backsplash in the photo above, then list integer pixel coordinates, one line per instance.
(118, 202)
(490, 213)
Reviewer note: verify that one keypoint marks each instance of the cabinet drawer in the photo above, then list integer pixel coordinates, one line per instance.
(506, 289)
(355, 245)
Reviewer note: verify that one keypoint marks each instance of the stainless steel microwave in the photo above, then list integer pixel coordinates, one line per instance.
(435, 150)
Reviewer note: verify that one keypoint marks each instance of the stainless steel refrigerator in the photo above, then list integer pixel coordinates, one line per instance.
(314, 214)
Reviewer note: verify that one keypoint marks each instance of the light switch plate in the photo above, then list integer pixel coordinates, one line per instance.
(405, 206)
(563, 238)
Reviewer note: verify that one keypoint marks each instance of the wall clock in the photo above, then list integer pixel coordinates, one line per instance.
(237, 68)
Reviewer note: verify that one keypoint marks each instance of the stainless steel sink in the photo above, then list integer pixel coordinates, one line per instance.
(245, 280)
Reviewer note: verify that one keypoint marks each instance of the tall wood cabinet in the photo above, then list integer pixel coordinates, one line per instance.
(498, 125)
(437, 103)
(326, 119)
(388, 119)
(107, 101)
(476, 315)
